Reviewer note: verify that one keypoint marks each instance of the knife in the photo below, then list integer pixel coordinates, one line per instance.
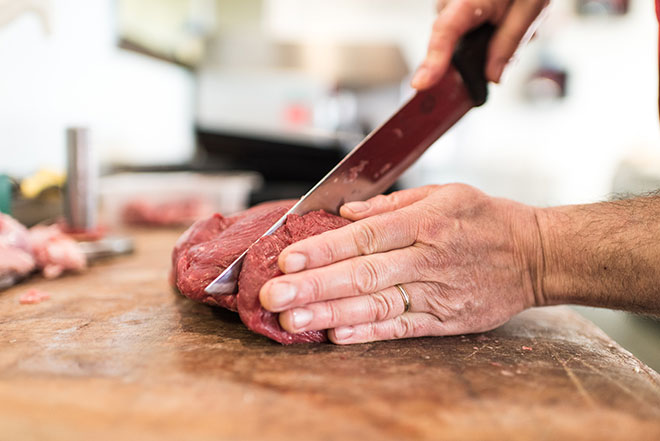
(378, 161)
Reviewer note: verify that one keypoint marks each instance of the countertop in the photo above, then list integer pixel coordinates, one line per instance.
(117, 354)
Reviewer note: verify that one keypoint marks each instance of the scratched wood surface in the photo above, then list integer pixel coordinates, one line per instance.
(116, 354)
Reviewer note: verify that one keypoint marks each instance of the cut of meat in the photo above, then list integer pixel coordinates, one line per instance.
(55, 252)
(16, 259)
(165, 214)
(210, 245)
(260, 265)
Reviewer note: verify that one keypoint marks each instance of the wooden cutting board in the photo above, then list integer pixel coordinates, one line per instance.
(116, 354)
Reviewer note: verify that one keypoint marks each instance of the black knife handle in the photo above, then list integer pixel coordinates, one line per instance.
(470, 60)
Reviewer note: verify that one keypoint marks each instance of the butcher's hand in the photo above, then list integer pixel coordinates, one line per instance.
(466, 260)
(512, 19)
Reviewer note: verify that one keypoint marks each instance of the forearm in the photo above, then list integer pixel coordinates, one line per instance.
(605, 254)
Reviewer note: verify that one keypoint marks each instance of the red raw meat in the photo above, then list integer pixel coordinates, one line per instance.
(210, 245)
(16, 259)
(260, 265)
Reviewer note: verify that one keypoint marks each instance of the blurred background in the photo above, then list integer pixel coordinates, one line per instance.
(220, 104)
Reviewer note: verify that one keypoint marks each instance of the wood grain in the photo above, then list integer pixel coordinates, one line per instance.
(116, 354)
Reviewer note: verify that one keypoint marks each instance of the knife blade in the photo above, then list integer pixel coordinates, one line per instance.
(378, 161)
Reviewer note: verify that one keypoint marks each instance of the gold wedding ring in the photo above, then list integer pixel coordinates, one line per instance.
(405, 297)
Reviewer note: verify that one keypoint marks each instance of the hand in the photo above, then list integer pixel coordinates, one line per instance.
(468, 261)
(455, 18)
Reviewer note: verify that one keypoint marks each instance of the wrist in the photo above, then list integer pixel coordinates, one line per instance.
(536, 256)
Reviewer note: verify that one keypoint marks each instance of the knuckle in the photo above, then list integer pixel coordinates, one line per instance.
(371, 332)
(332, 314)
(403, 327)
(326, 252)
(365, 238)
(394, 199)
(459, 188)
(380, 200)
(381, 307)
(430, 227)
(314, 291)
(365, 277)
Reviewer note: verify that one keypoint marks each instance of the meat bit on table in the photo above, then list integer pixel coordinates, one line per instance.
(33, 296)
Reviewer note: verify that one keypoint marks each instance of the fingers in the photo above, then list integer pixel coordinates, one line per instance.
(457, 17)
(509, 35)
(454, 20)
(375, 234)
(348, 278)
(380, 306)
(411, 324)
(384, 203)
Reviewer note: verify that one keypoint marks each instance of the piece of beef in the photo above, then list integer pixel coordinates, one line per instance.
(16, 258)
(210, 245)
(55, 252)
(260, 265)
(165, 214)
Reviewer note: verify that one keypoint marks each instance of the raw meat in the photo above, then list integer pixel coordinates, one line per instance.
(55, 252)
(260, 265)
(33, 296)
(210, 245)
(16, 259)
(165, 214)
(46, 248)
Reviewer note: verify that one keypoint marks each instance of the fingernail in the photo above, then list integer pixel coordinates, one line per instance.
(281, 294)
(343, 332)
(421, 77)
(294, 262)
(357, 207)
(301, 317)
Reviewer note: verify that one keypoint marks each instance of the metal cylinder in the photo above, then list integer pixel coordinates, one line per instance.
(80, 192)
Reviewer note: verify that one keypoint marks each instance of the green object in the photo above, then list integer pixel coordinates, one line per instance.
(5, 194)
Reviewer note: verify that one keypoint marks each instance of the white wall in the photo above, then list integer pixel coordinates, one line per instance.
(140, 110)
(403, 22)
